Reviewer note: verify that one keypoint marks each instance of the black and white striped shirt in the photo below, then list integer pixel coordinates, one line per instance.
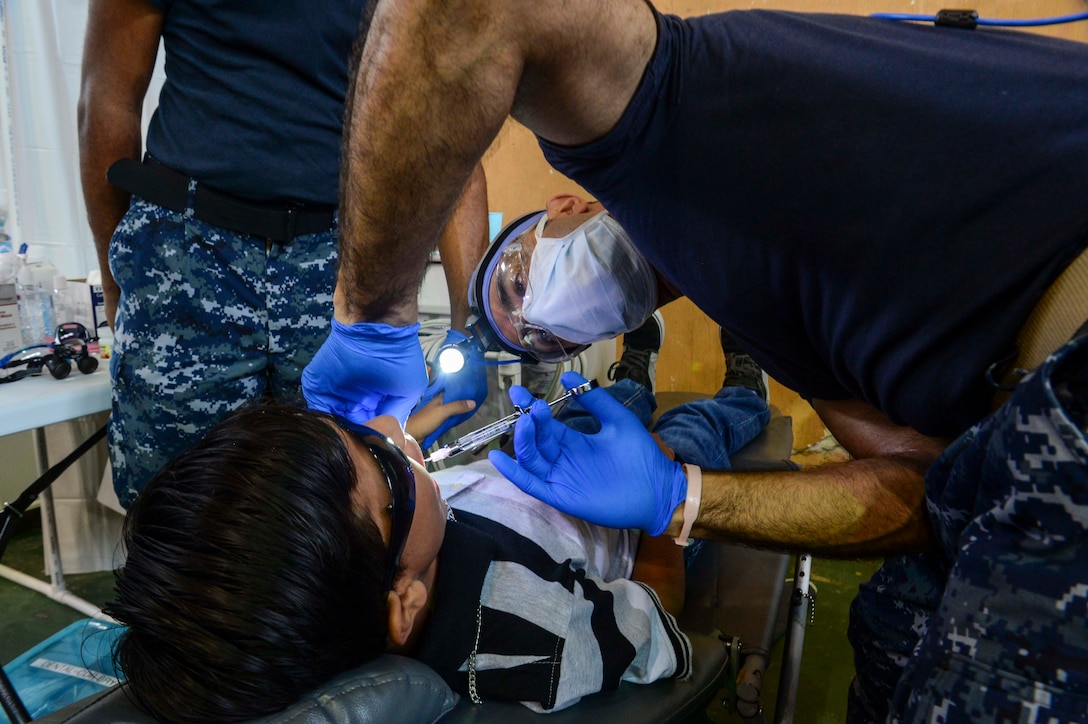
(558, 616)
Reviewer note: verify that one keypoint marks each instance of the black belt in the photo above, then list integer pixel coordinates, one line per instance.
(165, 187)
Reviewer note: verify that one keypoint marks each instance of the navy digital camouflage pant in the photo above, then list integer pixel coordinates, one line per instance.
(207, 320)
(994, 627)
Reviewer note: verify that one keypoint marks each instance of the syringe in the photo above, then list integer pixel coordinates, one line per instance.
(487, 433)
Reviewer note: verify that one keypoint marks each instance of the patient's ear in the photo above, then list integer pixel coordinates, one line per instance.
(406, 607)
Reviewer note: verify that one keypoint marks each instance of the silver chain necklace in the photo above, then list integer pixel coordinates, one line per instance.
(472, 659)
(472, 693)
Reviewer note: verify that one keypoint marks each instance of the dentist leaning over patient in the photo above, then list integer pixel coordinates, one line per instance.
(889, 217)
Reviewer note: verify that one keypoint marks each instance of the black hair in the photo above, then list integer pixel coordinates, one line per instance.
(250, 579)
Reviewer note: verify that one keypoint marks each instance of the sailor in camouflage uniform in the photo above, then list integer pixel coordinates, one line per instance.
(207, 320)
(1002, 608)
(1009, 504)
(218, 248)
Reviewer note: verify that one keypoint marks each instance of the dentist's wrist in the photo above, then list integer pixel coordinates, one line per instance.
(689, 509)
(677, 498)
(353, 308)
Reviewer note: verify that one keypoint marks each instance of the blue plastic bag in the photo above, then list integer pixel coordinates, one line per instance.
(73, 663)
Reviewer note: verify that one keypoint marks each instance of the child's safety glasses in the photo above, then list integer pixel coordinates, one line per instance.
(402, 485)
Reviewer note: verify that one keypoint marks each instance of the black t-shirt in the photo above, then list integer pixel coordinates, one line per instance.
(253, 102)
(871, 207)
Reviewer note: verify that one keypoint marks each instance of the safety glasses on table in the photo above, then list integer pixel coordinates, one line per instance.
(401, 480)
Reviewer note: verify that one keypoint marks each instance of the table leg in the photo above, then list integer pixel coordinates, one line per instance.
(50, 539)
(56, 588)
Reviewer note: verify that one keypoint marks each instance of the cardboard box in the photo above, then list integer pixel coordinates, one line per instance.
(11, 334)
(88, 305)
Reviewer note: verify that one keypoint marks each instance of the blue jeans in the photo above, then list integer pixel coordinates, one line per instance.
(208, 319)
(703, 432)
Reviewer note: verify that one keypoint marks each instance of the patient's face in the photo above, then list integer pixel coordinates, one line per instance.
(372, 494)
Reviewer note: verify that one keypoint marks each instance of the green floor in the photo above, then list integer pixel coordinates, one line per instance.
(30, 617)
(827, 666)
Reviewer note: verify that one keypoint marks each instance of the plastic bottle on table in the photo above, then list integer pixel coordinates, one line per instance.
(35, 309)
(44, 271)
(62, 308)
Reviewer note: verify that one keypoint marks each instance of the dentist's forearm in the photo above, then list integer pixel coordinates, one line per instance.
(426, 102)
(858, 509)
(463, 243)
(435, 84)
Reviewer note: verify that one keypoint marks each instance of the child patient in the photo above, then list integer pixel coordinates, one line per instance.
(289, 546)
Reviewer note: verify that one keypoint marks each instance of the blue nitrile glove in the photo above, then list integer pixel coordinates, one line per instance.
(366, 369)
(469, 383)
(617, 477)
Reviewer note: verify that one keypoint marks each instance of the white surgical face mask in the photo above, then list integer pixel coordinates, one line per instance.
(589, 285)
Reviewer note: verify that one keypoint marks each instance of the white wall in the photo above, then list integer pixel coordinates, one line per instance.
(39, 148)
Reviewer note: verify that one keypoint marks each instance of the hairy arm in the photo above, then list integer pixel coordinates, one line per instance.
(435, 82)
(119, 49)
(871, 506)
(463, 243)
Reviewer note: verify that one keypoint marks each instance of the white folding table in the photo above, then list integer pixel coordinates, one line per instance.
(33, 403)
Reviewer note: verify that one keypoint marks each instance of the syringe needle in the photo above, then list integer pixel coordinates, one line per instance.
(489, 432)
(476, 438)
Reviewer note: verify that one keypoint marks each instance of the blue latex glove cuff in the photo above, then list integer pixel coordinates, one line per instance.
(366, 369)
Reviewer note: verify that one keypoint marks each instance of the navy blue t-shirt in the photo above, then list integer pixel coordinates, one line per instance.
(253, 102)
(871, 207)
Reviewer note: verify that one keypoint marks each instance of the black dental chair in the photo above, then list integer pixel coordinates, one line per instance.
(734, 610)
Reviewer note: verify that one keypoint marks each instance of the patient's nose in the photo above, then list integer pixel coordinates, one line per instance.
(388, 426)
